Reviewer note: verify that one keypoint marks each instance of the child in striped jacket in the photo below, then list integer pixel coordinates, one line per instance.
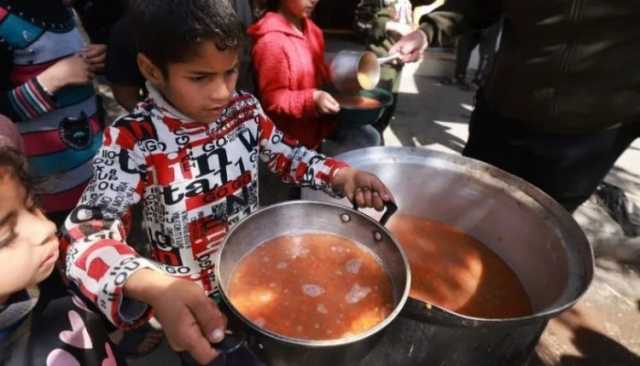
(46, 70)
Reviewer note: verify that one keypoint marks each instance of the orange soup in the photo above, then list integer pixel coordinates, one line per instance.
(457, 272)
(355, 101)
(312, 286)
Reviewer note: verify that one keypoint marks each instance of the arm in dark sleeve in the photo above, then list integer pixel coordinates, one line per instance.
(457, 17)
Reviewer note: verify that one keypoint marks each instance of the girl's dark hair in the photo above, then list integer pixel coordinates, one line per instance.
(169, 31)
(271, 5)
(14, 164)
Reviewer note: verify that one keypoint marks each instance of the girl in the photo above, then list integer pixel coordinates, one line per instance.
(62, 334)
(46, 72)
(288, 56)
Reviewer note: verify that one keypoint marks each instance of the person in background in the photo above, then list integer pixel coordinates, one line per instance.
(189, 154)
(288, 57)
(487, 40)
(380, 23)
(561, 103)
(46, 73)
(99, 16)
(125, 79)
(62, 333)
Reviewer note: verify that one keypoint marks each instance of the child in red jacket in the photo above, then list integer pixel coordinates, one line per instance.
(288, 57)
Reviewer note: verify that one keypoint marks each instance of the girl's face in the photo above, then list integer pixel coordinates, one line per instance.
(299, 8)
(28, 242)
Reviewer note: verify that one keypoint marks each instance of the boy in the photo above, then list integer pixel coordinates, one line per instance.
(189, 153)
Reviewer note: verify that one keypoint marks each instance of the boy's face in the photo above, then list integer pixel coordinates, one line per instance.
(201, 87)
(300, 8)
(28, 244)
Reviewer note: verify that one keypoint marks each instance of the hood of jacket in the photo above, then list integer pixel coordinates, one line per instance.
(273, 22)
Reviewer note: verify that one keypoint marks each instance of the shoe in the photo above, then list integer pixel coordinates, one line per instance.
(620, 208)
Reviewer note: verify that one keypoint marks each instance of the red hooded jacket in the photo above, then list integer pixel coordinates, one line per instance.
(290, 65)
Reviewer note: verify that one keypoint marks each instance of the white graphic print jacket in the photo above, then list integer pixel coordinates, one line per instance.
(195, 181)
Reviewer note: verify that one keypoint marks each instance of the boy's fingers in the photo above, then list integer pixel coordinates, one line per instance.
(200, 348)
(359, 198)
(382, 190)
(377, 201)
(368, 197)
(210, 320)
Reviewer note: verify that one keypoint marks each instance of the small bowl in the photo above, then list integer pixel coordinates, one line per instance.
(355, 116)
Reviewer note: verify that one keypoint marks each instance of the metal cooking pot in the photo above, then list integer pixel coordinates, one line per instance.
(297, 217)
(531, 232)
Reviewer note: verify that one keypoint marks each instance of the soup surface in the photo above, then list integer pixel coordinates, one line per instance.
(359, 102)
(365, 81)
(457, 272)
(312, 286)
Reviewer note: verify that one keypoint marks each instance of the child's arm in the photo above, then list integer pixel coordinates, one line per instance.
(98, 259)
(185, 312)
(35, 97)
(308, 168)
(273, 74)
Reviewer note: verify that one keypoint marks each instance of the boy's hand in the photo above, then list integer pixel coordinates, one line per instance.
(325, 103)
(191, 321)
(362, 188)
(73, 70)
(96, 56)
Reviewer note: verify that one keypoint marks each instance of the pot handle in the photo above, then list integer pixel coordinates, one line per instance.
(390, 207)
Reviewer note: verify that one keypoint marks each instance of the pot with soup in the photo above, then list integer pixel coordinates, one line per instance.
(316, 283)
(492, 259)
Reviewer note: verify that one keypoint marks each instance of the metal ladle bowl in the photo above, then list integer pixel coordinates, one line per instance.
(352, 71)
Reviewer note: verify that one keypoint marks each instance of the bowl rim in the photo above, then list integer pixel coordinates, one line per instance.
(384, 103)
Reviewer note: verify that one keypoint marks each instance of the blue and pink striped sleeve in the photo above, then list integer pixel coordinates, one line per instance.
(27, 101)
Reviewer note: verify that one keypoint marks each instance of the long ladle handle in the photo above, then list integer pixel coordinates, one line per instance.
(390, 209)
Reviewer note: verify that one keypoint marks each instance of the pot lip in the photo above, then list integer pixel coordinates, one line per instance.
(457, 319)
(319, 343)
(568, 227)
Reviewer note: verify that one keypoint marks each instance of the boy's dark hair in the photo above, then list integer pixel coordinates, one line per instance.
(168, 31)
(14, 164)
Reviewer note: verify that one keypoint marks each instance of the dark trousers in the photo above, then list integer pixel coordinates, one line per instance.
(566, 167)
